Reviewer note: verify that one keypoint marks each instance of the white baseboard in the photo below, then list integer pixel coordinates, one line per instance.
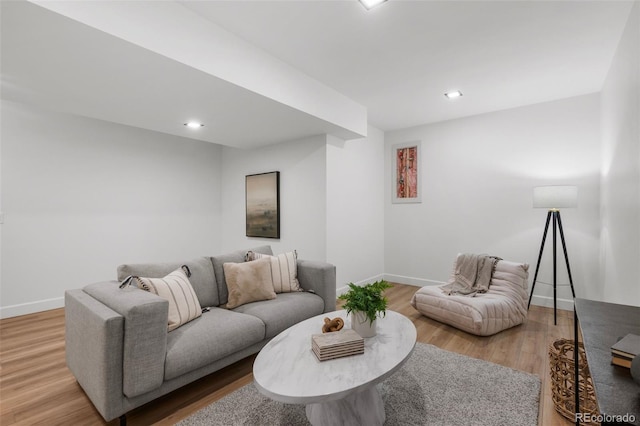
(564, 304)
(58, 302)
(31, 307)
(344, 289)
(418, 282)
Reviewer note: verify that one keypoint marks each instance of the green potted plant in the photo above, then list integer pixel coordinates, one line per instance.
(365, 304)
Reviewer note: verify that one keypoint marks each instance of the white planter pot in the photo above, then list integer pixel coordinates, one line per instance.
(360, 324)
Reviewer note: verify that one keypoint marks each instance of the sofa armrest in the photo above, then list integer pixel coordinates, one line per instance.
(144, 343)
(93, 349)
(320, 278)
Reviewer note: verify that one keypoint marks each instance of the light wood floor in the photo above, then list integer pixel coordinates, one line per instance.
(37, 388)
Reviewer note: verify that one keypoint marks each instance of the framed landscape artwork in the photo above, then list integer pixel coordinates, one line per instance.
(262, 193)
(406, 173)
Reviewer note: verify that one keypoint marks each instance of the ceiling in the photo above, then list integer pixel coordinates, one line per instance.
(396, 60)
(400, 58)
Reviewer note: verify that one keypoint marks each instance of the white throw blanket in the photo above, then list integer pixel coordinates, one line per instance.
(472, 275)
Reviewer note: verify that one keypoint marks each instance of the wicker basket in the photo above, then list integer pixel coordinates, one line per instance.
(561, 359)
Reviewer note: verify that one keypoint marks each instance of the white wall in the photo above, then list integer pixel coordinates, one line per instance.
(355, 208)
(303, 199)
(331, 201)
(81, 196)
(478, 175)
(620, 210)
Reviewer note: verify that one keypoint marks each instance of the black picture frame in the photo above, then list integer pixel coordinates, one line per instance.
(262, 201)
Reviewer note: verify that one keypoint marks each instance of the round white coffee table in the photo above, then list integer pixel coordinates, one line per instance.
(338, 391)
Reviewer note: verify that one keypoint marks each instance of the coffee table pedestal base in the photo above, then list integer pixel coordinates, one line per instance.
(362, 408)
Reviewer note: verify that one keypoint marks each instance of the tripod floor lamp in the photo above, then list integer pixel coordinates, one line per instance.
(554, 198)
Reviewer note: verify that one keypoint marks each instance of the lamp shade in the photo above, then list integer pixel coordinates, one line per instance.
(555, 196)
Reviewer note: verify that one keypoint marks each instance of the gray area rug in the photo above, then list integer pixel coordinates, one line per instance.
(434, 387)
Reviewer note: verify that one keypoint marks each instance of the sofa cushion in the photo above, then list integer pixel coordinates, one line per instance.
(177, 290)
(202, 277)
(248, 282)
(284, 270)
(213, 336)
(286, 310)
(233, 257)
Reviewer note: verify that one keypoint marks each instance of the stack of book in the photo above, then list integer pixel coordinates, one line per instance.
(623, 352)
(337, 344)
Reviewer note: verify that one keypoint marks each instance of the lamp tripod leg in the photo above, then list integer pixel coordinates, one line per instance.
(566, 256)
(555, 310)
(535, 276)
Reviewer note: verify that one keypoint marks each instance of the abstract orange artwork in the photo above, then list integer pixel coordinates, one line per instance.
(407, 172)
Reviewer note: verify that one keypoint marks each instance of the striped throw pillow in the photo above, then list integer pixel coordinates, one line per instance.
(284, 270)
(176, 288)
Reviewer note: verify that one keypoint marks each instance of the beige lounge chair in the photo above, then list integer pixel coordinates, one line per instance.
(503, 306)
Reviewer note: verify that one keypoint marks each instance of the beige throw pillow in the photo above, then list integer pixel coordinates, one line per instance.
(176, 288)
(284, 270)
(248, 282)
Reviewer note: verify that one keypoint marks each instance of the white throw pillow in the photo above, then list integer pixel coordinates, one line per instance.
(284, 270)
(176, 288)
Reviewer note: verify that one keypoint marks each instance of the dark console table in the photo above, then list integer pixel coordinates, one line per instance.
(602, 324)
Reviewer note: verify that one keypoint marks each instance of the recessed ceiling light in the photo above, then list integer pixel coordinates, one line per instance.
(370, 4)
(194, 124)
(454, 94)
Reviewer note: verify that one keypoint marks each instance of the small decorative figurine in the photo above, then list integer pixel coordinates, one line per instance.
(332, 324)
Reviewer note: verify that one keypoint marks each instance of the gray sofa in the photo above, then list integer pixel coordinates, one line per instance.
(119, 350)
